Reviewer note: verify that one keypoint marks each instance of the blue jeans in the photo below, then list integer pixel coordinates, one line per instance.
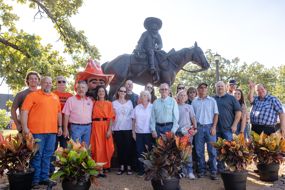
(62, 141)
(224, 134)
(246, 130)
(163, 129)
(189, 167)
(41, 161)
(143, 140)
(81, 133)
(203, 136)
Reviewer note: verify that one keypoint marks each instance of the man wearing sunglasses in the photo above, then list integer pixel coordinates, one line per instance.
(165, 113)
(180, 87)
(63, 96)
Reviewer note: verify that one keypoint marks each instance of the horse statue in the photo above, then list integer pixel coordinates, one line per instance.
(129, 67)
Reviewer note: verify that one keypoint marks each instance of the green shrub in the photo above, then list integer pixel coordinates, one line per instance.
(4, 119)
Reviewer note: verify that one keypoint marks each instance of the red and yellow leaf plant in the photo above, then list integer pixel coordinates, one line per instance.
(237, 154)
(269, 148)
(16, 153)
(75, 163)
(167, 157)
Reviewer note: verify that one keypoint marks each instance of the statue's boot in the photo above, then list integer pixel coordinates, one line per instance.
(155, 77)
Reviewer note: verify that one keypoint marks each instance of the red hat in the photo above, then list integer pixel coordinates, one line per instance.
(93, 70)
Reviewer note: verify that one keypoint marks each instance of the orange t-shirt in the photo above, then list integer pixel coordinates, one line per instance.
(43, 112)
(63, 96)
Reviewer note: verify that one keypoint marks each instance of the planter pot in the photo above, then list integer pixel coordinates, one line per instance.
(234, 180)
(67, 185)
(167, 184)
(268, 172)
(21, 181)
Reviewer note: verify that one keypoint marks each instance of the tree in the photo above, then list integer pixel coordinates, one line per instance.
(21, 52)
(233, 69)
(4, 119)
(228, 69)
(279, 86)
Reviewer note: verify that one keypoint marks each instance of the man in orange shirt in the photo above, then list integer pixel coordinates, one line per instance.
(63, 96)
(41, 116)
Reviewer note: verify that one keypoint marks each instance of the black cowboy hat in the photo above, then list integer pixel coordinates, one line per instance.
(149, 20)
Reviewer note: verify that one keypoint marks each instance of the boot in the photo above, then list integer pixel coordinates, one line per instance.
(155, 77)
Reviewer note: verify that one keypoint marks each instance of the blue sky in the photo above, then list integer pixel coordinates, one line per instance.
(251, 30)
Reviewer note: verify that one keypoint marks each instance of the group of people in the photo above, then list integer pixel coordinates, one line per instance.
(132, 122)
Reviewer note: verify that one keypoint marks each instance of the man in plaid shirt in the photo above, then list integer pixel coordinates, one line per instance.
(265, 110)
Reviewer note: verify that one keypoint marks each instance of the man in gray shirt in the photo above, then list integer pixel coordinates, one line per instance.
(32, 80)
(206, 111)
(229, 115)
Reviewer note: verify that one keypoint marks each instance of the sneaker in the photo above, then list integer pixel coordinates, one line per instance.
(101, 175)
(48, 182)
(140, 174)
(214, 177)
(106, 170)
(120, 172)
(36, 185)
(201, 175)
(191, 176)
(181, 175)
(129, 172)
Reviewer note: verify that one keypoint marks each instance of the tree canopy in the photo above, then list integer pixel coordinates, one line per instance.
(21, 52)
(272, 78)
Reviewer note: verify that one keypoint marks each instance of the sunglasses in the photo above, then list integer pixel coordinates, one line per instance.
(122, 91)
(181, 88)
(149, 86)
(61, 81)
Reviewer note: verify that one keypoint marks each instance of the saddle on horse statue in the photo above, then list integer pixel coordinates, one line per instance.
(139, 58)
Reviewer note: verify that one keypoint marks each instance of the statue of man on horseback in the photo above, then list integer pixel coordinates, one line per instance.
(149, 43)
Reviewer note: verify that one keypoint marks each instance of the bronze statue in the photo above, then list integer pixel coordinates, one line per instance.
(149, 43)
(128, 66)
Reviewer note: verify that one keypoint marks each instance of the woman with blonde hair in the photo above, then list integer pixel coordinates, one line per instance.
(141, 127)
(187, 125)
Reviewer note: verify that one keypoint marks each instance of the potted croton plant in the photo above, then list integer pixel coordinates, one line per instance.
(76, 167)
(164, 162)
(270, 152)
(236, 154)
(15, 155)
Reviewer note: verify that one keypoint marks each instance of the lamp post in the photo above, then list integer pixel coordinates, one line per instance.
(217, 59)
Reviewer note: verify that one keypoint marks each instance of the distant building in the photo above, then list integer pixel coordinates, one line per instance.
(3, 99)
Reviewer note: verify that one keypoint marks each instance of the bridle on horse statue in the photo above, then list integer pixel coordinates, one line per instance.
(194, 71)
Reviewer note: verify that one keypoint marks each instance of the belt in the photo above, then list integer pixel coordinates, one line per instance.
(80, 124)
(100, 119)
(164, 124)
(273, 126)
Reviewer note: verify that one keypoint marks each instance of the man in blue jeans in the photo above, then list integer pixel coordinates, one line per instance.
(206, 111)
(229, 117)
(41, 116)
